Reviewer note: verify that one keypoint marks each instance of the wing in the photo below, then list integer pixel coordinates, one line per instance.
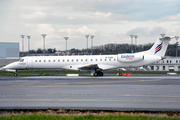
(90, 67)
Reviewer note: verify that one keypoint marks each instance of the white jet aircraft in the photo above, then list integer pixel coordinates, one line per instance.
(94, 63)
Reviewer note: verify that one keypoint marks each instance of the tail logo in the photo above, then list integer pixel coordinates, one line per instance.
(158, 48)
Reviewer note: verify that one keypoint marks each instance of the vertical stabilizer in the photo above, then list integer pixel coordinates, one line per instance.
(160, 46)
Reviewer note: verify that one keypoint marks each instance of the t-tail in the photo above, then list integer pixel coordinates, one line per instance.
(160, 46)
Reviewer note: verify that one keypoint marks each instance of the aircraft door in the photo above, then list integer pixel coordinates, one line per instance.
(29, 62)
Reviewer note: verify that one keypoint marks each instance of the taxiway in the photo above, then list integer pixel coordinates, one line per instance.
(146, 93)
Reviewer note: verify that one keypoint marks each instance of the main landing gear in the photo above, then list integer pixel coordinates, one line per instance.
(98, 73)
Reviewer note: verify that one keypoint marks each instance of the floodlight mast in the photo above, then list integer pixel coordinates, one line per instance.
(66, 38)
(131, 42)
(44, 35)
(22, 45)
(92, 36)
(28, 43)
(135, 36)
(87, 43)
(176, 37)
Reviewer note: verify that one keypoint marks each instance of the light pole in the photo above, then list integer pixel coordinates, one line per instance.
(22, 45)
(44, 35)
(176, 45)
(28, 43)
(131, 42)
(162, 34)
(92, 36)
(87, 44)
(66, 38)
(135, 42)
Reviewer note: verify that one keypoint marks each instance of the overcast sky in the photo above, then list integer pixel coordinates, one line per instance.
(110, 21)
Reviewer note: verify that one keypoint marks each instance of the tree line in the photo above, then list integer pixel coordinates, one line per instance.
(108, 49)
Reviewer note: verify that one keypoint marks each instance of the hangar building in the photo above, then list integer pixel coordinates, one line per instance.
(9, 52)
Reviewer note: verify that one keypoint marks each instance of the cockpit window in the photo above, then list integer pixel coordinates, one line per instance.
(21, 60)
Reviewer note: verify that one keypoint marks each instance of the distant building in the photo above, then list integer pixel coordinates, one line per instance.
(168, 64)
(9, 50)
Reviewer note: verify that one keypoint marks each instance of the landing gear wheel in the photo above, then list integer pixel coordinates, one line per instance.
(95, 74)
(98, 74)
(15, 74)
(101, 74)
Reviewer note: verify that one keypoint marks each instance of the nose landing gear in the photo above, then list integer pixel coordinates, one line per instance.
(15, 74)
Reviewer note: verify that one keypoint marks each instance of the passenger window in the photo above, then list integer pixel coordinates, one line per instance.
(109, 59)
(72, 60)
(114, 59)
(100, 59)
(86, 60)
(49, 60)
(58, 60)
(39, 60)
(54, 61)
(35, 60)
(91, 59)
(105, 60)
(77, 60)
(96, 60)
(63, 60)
(81, 59)
(67, 60)
(44, 60)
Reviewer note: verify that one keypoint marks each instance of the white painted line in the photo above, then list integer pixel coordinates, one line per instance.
(72, 75)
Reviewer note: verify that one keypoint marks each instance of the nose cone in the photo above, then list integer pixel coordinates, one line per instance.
(11, 66)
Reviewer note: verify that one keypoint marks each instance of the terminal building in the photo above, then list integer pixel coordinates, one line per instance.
(9, 52)
(168, 64)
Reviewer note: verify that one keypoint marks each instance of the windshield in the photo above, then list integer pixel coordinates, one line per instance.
(21, 60)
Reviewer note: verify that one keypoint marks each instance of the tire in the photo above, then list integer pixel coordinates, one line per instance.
(95, 74)
(101, 73)
(15, 74)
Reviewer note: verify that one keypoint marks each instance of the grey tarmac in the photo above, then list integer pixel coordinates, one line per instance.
(144, 93)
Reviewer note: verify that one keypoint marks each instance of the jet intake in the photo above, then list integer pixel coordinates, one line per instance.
(130, 57)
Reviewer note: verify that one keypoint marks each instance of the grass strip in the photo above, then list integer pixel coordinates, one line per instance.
(81, 117)
(64, 72)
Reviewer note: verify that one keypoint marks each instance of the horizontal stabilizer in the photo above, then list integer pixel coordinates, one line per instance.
(167, 38)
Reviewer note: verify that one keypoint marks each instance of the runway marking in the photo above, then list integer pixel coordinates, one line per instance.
(147, 96)
(81, 83)
(128, 95)
(83, 100)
